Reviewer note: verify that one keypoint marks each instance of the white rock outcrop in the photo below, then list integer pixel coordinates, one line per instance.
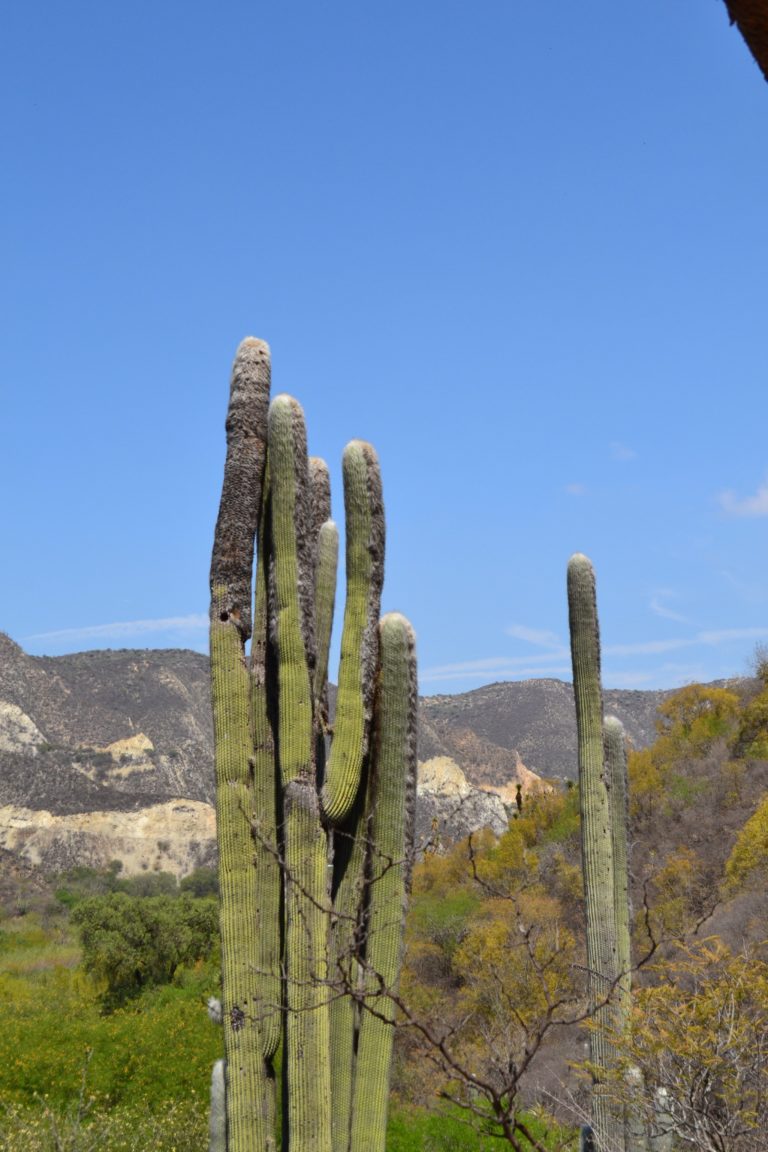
(18, 732)
(176, 836)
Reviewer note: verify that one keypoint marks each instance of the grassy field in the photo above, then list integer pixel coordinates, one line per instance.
(74, 1078)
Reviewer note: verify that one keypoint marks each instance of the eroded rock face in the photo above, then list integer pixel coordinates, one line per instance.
(177, 837)
(441, 776)
(448, 808)
(18, 732)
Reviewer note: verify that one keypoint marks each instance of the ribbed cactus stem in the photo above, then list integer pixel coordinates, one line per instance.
(393, 790)
(292, 614)
(615, 751)
(586, 1139)
(636, 1138)
(663, 1139)
(307, 896)
(267, 941)
(320, 493)
(325, 595)
(249, 1086)
(307, 1038)
(616, 775)
(217, 1125)
(364, 513)
(234, 539)
(596, 843)
(281, 888)
(350, 851)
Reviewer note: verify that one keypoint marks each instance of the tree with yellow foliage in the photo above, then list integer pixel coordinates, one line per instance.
(700, 1040)
(749, 857)
(493, 965)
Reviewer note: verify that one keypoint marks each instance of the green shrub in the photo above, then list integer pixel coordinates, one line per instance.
(130, 943)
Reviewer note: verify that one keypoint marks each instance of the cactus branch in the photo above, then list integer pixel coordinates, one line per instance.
(596, 843)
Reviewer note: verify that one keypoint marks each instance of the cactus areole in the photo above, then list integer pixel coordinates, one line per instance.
(314, 832)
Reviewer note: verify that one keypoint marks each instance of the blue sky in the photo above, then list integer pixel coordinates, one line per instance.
(519, 247)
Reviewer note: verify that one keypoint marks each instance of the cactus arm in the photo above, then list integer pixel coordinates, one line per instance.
(291, 624)
(307, 1043)
(306, 897)
(393, 789)
(267, 934)
(248, 1087)
(350, 850)
(325, 595)
(320, 493)
(364, 514)
(596, 846)
(235, 535)
(616, 774)
(325, 536)
(614, 742)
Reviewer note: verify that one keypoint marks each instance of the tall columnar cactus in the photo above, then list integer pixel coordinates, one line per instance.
(616, 780)
(596, 843)
(614, 741)
(313, 845)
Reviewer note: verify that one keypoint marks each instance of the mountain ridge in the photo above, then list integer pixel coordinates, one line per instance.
(130, 731)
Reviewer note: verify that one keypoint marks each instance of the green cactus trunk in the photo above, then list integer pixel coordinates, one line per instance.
(614, 741)
(303, 924)
(249, 1076)
(596, 844)
(392, 802)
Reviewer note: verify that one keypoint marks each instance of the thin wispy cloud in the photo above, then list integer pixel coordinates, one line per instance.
(646, 647)
(664, 676)
(508, 670)
(576, 489)
(124, 629)
(659, 608)
(491, 665)
(622, 452)
(469, 667)
(756, 505)
(712, 638)
(539, 637)
(725, 635)
(554, 659)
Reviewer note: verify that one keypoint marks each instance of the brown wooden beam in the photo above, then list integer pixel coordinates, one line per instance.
(751, 18)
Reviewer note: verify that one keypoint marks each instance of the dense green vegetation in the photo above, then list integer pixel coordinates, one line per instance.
(82, 1070)
(73, 1076)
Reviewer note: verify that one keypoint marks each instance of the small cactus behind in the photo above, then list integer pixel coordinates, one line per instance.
(314, 825)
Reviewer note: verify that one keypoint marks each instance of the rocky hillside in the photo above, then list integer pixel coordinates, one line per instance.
(488, 731)
(110, 755)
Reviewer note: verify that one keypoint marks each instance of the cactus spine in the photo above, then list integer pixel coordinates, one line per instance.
(596, 842)
(311, 919)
